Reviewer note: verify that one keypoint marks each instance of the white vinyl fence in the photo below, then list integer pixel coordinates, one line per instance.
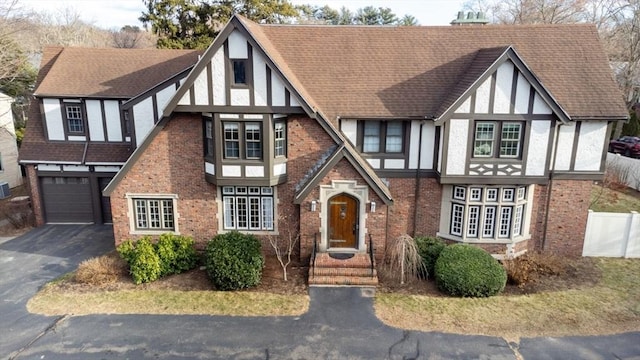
(627, 169)
(612, 235)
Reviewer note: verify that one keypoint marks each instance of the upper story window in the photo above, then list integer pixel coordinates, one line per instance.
(231, 140)
(239, 72)
(75, 123)
(279, 138)
(382, 136)
(496, 139)
(126, 122)
(251, 141)
(208, 137)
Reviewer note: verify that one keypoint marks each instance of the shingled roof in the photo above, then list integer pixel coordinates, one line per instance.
(100, 73)
(382, 71)
(106, 72)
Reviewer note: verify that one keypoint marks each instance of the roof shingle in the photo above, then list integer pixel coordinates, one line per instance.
(381, 71)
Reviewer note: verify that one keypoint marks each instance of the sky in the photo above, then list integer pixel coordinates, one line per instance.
(114, 14)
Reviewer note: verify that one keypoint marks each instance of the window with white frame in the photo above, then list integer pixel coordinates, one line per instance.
(154, 214)
(247, 146)
(506, 136)
(248, 208)
(487, 212)
(279, 139)
(75, 123)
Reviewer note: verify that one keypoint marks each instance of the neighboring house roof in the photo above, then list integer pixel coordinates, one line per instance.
(104, 73)
(409, 71)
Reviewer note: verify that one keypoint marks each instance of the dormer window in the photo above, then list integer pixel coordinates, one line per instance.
(75, 122)
(382, 136)
(240, 72)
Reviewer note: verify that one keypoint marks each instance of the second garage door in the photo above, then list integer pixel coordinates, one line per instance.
(67, 199)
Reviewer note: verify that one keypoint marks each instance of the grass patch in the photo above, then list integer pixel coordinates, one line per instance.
(609, 306)
(604, 199)
(50, 301)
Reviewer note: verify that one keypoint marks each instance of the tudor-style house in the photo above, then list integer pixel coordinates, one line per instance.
(486, 135)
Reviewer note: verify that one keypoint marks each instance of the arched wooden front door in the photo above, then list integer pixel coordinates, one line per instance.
(343, 221)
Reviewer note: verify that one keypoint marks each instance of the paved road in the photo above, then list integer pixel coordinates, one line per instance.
(326, 331)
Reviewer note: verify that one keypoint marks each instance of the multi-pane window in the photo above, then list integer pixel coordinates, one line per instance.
(382, 135)
(154, 214)
(483, 142)
(236, 146)
(253, 140)
(231, 140)
(74, 118)
(499, 214)
(248, 208)
(510, 140)
(279, 139)
(488, 134)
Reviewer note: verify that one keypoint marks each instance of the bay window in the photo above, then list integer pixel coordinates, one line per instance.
(487, 212)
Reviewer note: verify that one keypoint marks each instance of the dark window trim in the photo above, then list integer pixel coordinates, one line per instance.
(242, 139)
(383, 138)
(83, 113)
(497, 139)
(161, 214)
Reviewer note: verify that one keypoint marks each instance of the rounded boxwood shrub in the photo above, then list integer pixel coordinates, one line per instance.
(145, 265)
(468, 271)
(234, 261)
(429, 249)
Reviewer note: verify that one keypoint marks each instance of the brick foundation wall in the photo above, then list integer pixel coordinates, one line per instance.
(568, 211)
(172, 164)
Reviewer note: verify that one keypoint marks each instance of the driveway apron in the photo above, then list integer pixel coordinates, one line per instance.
(29, 261)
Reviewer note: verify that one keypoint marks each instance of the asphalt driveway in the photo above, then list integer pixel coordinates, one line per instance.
(340, 323)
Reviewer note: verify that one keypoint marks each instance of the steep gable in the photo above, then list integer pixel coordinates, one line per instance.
(499, 82)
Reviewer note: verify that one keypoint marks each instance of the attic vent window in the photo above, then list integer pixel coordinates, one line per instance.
(239, 72)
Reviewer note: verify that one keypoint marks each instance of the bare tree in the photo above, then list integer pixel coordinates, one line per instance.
(284, 244)
(131, 37)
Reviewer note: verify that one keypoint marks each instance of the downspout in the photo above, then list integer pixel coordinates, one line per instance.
(417, 192)
(553, 167)
(84, 153)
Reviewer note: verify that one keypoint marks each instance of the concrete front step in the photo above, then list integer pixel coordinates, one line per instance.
(343, 280)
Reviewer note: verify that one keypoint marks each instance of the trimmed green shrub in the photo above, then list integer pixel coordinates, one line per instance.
(468, 271)
(173, 253)
(166, 254)
(186, 256)
(429, 249)
(234, 261)
(145, 265)
(126, 250)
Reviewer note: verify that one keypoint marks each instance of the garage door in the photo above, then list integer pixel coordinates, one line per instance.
(67, 199)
